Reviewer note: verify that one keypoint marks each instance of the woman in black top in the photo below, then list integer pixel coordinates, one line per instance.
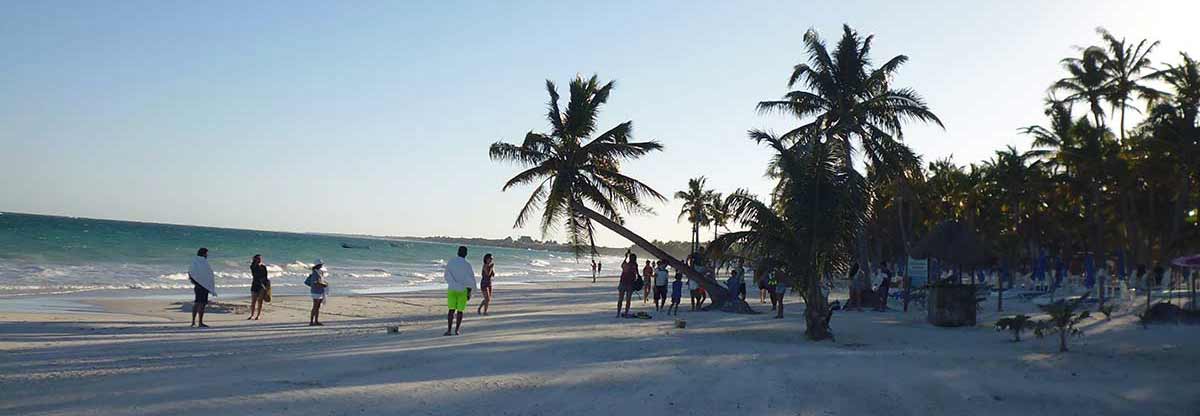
(259, 286)
(485, 284)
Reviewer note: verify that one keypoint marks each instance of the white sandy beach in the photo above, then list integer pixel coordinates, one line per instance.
(556, 348)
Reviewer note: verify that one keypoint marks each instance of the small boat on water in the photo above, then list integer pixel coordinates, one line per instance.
(352, 246)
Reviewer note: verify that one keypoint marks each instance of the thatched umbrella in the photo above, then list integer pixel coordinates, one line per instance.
(953, 243)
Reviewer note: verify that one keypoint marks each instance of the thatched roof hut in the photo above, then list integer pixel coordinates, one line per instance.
(954, 243)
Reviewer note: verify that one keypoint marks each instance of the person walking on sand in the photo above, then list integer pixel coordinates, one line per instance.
(202, 277)
(693, 290)
(676, 294)
(661, 278)
(647, 276)
(485, 284)
(778, 290)
(460, 280)
(317, 287)
(260, 286)
(625, 285)
(884, 286)
(760, 279)
(594, 270)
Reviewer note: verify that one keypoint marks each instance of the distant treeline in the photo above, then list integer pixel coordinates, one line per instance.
(679, 249)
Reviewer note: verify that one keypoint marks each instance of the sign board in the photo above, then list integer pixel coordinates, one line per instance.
(918, 271)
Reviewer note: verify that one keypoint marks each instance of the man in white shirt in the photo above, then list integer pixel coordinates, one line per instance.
(661, 278)
(460, 279)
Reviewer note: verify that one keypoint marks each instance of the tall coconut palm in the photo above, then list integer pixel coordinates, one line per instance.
(1010, 175)
(1124, 65)
(577, 179)
(718, 212)
(1088, 81)
(846, 98)
(1176, 129)
(695, 202)
(1085, 152)
(807, 236)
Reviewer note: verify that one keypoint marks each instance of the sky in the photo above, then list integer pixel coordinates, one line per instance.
(375, 117)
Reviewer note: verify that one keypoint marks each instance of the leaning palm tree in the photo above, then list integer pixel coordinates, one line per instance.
(846, 98)
(695, 198)
(578, 180)
(1124, 66)
(808, 235)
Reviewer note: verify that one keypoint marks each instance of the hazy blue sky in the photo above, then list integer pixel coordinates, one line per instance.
(363, 117)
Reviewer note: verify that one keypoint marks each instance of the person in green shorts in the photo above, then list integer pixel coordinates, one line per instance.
(460, 279)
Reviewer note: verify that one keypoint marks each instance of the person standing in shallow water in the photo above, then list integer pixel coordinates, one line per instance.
(460, 280)
(485, 283)
(259, 286)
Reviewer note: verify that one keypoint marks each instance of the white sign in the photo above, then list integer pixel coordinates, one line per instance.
(918, 272)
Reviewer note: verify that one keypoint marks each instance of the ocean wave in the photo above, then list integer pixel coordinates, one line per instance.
(539, 263)
(366, 275)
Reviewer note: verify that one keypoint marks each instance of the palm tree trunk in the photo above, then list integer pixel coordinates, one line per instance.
(720, 296)
(816, 311)
(1122, 123)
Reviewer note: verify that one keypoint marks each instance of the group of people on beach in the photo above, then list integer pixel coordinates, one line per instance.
(654, 280)
(658, 274)
(459, 277)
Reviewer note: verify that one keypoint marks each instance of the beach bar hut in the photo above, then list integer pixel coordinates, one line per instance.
(952, 303)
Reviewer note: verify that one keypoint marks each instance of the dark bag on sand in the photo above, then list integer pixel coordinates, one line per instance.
(638, 284)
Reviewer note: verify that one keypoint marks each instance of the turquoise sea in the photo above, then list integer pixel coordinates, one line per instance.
(46, 255)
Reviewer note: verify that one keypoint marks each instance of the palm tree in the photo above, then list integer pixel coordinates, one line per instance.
(718, 212)
(807, 235)
(847, 99)
(695, 201)
(578, 180)
(1010, 175)
(1124, 65)
(1175, 129)
(1085, 152)
(1088, 81)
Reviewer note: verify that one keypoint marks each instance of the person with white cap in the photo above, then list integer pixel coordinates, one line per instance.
(317, 287)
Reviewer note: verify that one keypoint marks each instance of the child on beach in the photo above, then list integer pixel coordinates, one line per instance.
(676, 294)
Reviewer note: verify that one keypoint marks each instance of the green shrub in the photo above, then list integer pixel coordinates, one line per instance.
(1015, 324)
(1063, 319)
